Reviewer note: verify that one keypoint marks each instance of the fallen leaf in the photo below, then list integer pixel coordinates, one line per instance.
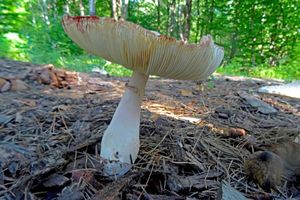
(186, 93)
(86, 175)
(54, 81)
(4, 85)
(44, 76)
(18, 85)
(60, 73)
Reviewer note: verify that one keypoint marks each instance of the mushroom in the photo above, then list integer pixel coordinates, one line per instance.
(146, 53)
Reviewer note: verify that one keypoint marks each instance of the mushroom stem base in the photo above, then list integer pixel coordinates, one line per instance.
(120, 143)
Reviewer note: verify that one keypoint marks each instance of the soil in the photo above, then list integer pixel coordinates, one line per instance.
(194, 135)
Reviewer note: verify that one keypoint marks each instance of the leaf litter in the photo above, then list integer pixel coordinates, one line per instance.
(192, 140)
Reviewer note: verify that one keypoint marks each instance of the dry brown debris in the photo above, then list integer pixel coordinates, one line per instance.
(57, 78)
(50, 137)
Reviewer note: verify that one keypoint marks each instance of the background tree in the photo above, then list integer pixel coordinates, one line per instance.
(261, 38)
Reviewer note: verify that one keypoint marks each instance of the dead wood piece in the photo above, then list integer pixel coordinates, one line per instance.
(38, 173)
(111, 191)
(56, 78)
(42, 75)
(18, 85)
(4, 119)
(261, 106)
(55, 180)
(162, 197)
(86, 175)
(4, 85)
(179, 183)
(226, 192)
(60, 73)
(191, 158)
(73, 192)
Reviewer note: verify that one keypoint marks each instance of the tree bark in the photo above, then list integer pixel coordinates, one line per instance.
(172, 24)
(114, 13)
(66, 8)
(92, 7)
(252, 33)
(205, 26)
(211, 16)
(124, 10)
(158, 15)
(168, 18)
(212, 9)
(187, 20)
(81, 8)
(45, 12)
(119, 8)
(54, 6)
(234, 34)
(198, 22)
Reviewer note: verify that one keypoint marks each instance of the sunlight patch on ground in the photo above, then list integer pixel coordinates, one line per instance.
(169, 111)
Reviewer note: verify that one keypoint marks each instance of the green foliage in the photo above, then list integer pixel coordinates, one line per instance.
(261, 38)
(290, 71)
(85, 63)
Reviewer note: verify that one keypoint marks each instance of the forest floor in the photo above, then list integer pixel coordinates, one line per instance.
(51, 128)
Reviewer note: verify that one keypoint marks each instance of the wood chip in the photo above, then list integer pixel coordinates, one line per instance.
(226, 192)
(257, 103)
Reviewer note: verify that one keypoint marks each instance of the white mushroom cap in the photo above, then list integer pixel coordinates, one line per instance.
(142, 50)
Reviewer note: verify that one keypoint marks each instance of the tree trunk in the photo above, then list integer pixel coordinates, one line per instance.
(158, 15)
(45, 12)
(81, 8)
(54, 6)
(187, 20)
(114, 13)
(180, 24)
(212, 9)
(172, 25)
(124, 10)
(33, 19)
(211, 16)
(168, 18)
(198, 22)
(119, 8)
(205, 26)
(234, 34)
(66, 8)
(92, 9)
(252, 33)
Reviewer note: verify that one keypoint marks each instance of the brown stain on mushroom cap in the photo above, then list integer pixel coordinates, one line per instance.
(139, 49)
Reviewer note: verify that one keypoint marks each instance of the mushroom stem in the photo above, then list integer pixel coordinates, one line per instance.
(120, 143)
